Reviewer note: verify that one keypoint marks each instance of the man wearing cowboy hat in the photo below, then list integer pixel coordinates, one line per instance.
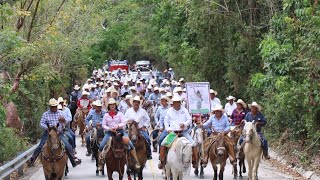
(177, 118)
(219, 124)
(138, 114)
(155, 96)
(230, 106)
(148, 92)
(94, 93)
(123, 106)
(67, 114)
(84, 103)
(159, 117)
(213, 98)
(125, 88)
(259, 120)
(93, 120)
(75, 95)
(54, 117)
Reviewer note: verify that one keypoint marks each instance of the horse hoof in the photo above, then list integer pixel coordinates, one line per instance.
(244, 170)
(240, 177)
(196, 172)
(201, 176)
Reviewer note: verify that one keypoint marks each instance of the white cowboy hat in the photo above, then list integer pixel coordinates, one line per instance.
(155, 89)
(218, 108)
(176, 99)
(178, 89)
(86, 86)
(167, 83)
(101, 84)
(115, 84)
(59, 107)
(213, 92)
(125, 83)
(112, 101)
(132, 88)
(89, 80)
(128, 97)
(138, 82)
(169, 94)
(149, 87)
(93, 86)
(254, 104)
(60, 99)
(76, 87)
(184, 90)
(109, 90)
(240, 101)
(53, 102)
(165, 98)
(136, 98)
(170, 69)
(181, 79)
(231, 98)
(98, 103)
(161, 89)
(93, 103)
(85, 93)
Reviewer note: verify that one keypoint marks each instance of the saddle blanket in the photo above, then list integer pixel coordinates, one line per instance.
(169, 139)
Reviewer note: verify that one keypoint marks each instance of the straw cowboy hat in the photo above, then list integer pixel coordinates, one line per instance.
(112, 101)
(218, 108)
(176, 99)
(231, 98)
(85, 93)
(181, 79)
(128, 97)
(165, 98)
(132, 88)
(98, 103)
(240, 101)
(254, 104)
(60, 99)
(178, 89)
(76, 87)
(93, 103)
(213, 92)
(53, 102)
(155, 89)
(136, 98)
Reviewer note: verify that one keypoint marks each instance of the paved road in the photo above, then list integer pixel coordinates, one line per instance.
(86, 171)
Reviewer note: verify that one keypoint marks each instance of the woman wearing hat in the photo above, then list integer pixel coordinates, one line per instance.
(138, 114)
(239, 113)
(219, 124)
(259, 120)
(114, 121)
(93, 120)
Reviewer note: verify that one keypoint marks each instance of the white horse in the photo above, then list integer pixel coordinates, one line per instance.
(252, 149)
(198, 136)
(179, 159)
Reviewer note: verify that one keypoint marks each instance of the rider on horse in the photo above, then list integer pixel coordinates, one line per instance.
(114, 122)
(259, 120)
(219, 124)
(159, 117)
(96, 116)
(51, 118)
(178, 119)
(84, 102)
(67, 114)
(138, 114)
(155, 96)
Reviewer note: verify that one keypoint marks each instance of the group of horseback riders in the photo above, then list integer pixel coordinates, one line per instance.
(112, 103)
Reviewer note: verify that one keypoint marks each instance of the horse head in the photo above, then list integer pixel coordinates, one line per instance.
(133, 131)
(117, 146)
(249, 131)
(220, 145)
(236, 132)
(53, 138)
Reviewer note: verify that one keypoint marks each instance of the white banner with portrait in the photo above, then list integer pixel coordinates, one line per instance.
(198, 97)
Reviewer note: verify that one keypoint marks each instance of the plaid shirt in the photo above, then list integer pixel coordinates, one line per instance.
(237, 117)
(51, 118)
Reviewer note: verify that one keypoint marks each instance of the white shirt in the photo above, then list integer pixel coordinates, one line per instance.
(214, 102)
(174, 118)
(229, 108)
(141, 116)
(123, 106)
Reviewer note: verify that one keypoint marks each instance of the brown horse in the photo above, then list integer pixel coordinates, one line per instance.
(218, 155)
(140, 145)
(79, 119)
(234, 136)
(148, 106)
(53, 156)
(115, 157)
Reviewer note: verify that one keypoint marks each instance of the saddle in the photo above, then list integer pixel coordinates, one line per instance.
(107, 147)
(171, 137)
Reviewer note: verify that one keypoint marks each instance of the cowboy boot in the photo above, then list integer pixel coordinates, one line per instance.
(134, 155)
(162, 162)
(195, 157)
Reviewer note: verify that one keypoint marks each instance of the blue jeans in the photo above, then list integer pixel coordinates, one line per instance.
(146, 136)
(162, 136)
(264, 142)
(73, 137)
(109, 134)
(43, 140)
(70, 138)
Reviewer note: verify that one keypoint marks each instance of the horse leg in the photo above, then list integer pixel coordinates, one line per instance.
(215, 173)
(128, 174)
(110, 174)
(140, 174)
(250, 169)
(222, 165)
(240, 168)
(255, 168)
(235, 171)
(201, 171)
(244, 169)
(66, 171)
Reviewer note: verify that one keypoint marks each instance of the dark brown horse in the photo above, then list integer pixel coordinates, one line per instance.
(53, 156)
(140, 145)
(218, 154)
(115, 158)
(79, 119)
(95, 139)
(235, 135)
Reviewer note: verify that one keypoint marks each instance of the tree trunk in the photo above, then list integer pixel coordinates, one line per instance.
(13, 120)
